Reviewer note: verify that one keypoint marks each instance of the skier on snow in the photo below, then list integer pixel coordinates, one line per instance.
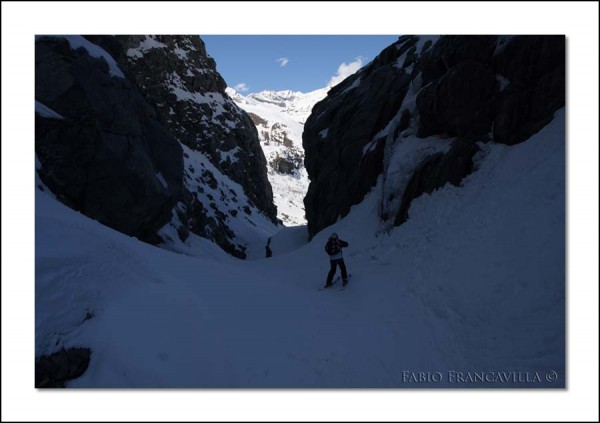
(334, 249)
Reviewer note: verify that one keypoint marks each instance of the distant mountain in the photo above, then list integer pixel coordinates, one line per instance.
(279, 117)
(295, 104)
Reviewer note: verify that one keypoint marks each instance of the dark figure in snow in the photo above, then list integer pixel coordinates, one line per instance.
(334, 249)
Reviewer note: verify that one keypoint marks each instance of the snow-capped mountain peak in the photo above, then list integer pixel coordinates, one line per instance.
(276, 96)
(293, 104)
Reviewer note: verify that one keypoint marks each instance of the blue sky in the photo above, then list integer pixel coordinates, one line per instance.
(290, 62)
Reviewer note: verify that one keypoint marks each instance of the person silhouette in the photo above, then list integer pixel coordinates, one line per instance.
(333, 247)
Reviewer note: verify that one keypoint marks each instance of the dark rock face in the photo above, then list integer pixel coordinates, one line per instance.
(289, 163)
(461, 103)
(107, 157)
(459, 87)
(437, 171)
(119, 156)
(535, 67)
(257, 119)
(464, 100)
(338, 129)
(468, 88)
(179, 79)
(451, 50)
(52, 371)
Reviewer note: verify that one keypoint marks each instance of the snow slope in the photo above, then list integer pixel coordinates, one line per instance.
(224, 201)
(472, 282)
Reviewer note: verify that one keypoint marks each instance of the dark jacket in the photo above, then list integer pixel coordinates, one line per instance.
(334, 248)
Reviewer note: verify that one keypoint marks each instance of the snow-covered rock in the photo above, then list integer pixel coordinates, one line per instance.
(180, 80)
(138, 132)
(93, 50)
(98, 143)
(420, 87)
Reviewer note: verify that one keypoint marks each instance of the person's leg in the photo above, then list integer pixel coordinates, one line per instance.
(344, 273)
(331, 273)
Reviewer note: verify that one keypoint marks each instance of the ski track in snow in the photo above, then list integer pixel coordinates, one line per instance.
(473, 280)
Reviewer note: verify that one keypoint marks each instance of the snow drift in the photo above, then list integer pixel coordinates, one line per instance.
(472, 282)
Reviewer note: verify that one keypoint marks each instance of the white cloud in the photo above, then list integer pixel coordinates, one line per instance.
(345, 70)
(282, 61)
(241, 87)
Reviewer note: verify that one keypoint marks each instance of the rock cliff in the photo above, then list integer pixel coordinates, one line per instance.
(147, 141)
(421, 106)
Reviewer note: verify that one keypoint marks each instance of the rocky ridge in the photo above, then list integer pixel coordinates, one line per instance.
(148, 142)
(413, 116)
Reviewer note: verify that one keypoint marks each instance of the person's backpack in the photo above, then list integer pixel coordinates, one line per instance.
(333, 246)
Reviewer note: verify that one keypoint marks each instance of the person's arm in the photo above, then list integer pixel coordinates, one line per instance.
(344, 244)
